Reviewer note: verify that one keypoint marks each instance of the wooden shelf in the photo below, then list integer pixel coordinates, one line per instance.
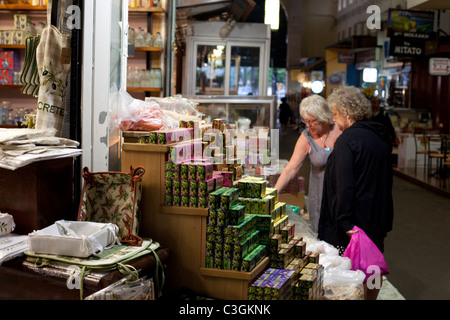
(203, 212)
(12, 46)
(152, 9)
(11, 86)
(152, 49)
(22, 6)
(237, 275)
(144, 147)
(143, 89)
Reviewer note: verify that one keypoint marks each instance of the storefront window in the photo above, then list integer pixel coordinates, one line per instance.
(210, 70)
(244, 71)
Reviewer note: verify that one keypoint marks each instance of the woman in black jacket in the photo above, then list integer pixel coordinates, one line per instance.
(358, 178)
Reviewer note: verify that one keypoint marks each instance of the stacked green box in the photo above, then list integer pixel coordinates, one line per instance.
(310, 283)
(253, 258)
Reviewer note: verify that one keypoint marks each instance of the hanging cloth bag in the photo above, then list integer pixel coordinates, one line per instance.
(53, 61)
(113, 197)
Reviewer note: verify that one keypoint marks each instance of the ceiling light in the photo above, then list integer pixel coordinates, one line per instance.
(272, 14)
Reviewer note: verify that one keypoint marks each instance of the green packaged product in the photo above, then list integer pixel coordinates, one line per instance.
(228, 198)
(184, 171)
(153, 137)
(168, 200)
(185, 201)
(168, 183)
(176, 200)
(202, 202)
(193, 202)
(272, 192)
(300, 249)
(259, 189)
(184, 187)
(176, 187)
(192, 171)
(144, 139)
(275, 243)
(176, 171)
(214, 198)
(237, 214)
(193, 188)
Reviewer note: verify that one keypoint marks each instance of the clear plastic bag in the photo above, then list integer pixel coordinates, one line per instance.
(177, 107)
(126, 289)
(139, 115)
(340, 284)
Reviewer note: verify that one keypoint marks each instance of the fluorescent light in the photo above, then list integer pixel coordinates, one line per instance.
(370, 75)
(272, 14)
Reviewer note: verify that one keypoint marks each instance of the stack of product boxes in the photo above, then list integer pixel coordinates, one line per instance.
(240, 223)
(9, 59)
(294, 273)
(18, 34)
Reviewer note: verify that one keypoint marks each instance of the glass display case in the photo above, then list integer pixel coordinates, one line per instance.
(260, 110)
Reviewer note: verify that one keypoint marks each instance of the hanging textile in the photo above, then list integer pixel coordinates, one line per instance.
(53, 60)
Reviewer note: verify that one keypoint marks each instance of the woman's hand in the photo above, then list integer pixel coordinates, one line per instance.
(351, 232)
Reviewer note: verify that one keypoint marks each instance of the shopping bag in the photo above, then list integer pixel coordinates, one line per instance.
(53, 63)
(113, 197)
(365, 255)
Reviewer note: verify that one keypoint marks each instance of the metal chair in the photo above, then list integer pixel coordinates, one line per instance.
(436, 151)
(419, 140)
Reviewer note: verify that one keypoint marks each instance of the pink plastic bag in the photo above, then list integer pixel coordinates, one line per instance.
(365, 255)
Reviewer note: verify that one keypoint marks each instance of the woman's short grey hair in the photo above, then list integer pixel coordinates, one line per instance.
(317, 107)
(351, 101)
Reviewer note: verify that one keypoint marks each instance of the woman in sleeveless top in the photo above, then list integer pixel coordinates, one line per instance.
(317, 142)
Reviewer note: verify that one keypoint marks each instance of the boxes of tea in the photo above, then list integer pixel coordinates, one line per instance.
(300, 249)
(229, 198)
(253, 258)
(273, 284)
(287, 232)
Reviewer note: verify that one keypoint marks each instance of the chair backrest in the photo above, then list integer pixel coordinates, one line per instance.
(435, 144)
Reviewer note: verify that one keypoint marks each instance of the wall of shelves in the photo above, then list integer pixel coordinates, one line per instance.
(36, 14)
(151, 20)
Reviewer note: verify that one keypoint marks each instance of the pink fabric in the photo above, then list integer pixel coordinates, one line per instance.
(363, 253)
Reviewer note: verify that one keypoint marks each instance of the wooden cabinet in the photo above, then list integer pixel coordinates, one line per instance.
(181, 229)
(147, 57)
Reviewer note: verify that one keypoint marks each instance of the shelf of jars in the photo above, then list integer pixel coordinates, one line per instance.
(152, 49)
(21, 6)
(148, 9)
(12, 46)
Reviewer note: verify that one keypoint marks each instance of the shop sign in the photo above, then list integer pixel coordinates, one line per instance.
(366, 56)
(346, 57)
(409, 30)
(439, 66)
(410, 23)
(406, 47)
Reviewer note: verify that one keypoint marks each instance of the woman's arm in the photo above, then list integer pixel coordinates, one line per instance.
(291, 170)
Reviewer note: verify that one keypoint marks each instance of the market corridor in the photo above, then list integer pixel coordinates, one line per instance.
(417, 250)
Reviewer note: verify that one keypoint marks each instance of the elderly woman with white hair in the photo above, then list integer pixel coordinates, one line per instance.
(317, 142)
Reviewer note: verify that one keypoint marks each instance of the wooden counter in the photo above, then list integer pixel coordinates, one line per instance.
(181, 229)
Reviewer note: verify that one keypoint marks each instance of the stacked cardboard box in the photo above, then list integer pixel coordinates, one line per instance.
(188, 184)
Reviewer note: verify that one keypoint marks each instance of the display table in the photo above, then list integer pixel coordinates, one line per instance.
(22, 280)
(181, 229)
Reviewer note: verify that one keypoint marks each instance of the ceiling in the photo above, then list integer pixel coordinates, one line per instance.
(428, 4)
(208, 10)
